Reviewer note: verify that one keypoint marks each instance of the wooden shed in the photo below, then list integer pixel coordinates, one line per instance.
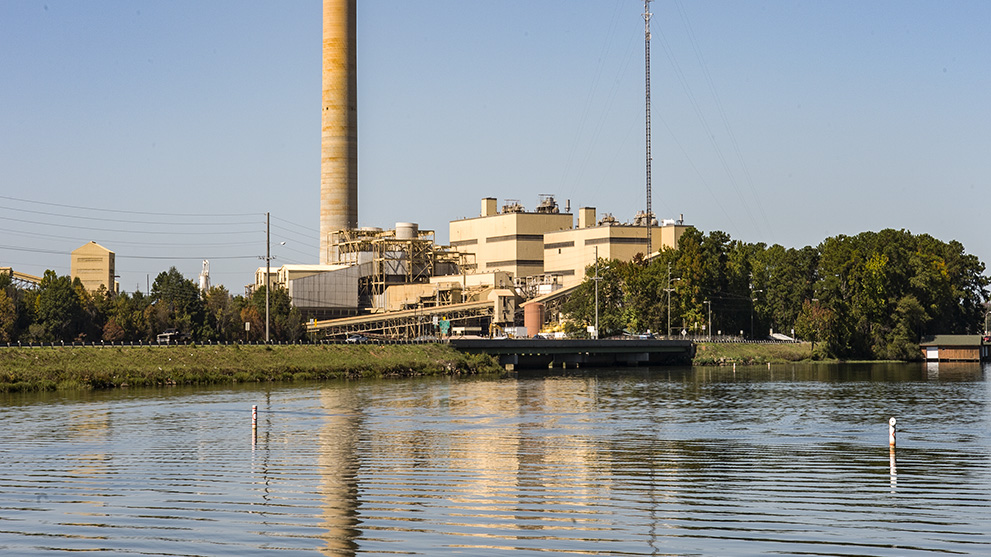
(956, 348)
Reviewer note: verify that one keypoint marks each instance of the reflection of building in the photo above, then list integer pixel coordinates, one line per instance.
(339, 468)
(511, 240)
(568, 252)
(93, 264)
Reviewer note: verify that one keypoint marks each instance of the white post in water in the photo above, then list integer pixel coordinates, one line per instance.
(891, 432)
(254, 418)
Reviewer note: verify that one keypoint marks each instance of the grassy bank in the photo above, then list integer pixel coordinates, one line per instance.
(35, 369)
(718, 353)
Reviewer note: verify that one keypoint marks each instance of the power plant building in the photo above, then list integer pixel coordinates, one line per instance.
(319, 291)
(95, 266)
(568, 253)
(511, 240)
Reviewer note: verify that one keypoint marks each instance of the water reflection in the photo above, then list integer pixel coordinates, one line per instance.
(337, 457)
(633, 462)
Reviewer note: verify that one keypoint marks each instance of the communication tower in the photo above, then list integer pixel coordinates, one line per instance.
(646, 52)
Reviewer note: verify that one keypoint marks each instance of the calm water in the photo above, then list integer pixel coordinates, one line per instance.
(788, 461)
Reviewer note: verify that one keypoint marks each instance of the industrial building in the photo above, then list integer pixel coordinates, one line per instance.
(94, 265)
(568, 252)
(510, 240)
(388, 282)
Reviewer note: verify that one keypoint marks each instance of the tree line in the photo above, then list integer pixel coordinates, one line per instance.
(871, 296)
(61, 309)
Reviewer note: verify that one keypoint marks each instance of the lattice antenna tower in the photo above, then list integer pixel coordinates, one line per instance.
(646, 57)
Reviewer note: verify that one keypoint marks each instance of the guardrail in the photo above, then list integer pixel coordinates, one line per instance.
(142, 344)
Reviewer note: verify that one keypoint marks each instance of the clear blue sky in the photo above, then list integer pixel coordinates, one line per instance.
(777, 121)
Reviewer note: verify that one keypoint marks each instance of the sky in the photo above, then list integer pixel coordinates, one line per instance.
(165, 131)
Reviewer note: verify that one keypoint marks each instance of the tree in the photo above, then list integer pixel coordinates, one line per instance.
(128, 313)
(255, 323)
(179, 303)
(581, 309)
(8, 317)
(816, 323)
(58, 307)
(223, 315)
(112, 332)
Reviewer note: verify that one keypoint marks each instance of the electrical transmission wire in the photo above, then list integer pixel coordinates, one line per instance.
(707, 129)
(126, 221)
(122, 211)
(722, 112)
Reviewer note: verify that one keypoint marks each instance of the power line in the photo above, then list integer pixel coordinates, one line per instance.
(306, 228)
(105, 219)
(122, 211)
(169, 232)
(152, 244)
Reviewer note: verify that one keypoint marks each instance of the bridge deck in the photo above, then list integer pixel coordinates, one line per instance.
(540, 353)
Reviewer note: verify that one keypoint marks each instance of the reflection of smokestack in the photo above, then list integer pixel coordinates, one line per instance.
(339, 141)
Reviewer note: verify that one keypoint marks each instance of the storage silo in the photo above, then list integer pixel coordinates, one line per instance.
(407, 230)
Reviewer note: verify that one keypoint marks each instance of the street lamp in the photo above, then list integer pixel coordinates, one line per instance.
(709, 319)
(753, 302)
(597, 279)
(669, 289)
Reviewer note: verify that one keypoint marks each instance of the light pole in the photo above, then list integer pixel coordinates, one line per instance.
(669, 289)
(596, 337)
(753, 301)
(709, 319)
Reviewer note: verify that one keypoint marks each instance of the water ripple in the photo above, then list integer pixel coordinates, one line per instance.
(787, 461)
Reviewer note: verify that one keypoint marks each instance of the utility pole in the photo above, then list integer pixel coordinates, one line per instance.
(669, 289)
(268, 270)
(646, 52)
(667, 332)
(753, 301)
(709, 319)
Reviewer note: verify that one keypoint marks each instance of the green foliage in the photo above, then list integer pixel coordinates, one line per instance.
(176, 303)
(94, 367)
(867, 296)
(8, 317)
(58, 307)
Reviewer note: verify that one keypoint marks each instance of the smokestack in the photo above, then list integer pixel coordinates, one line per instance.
(339, 139)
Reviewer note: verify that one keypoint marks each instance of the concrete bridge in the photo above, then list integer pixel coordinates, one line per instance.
(541, 354)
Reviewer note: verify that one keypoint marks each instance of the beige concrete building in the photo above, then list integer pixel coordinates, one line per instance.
(568, 252)
(94, 265)
(511, 240)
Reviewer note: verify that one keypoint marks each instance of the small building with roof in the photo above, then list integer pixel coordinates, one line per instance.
(956, 348)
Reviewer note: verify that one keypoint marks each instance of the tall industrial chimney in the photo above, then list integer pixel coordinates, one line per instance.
(339, 140)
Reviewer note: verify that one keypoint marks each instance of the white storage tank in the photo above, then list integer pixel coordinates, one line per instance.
(407, 230)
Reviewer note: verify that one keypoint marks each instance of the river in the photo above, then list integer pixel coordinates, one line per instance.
(791, 460)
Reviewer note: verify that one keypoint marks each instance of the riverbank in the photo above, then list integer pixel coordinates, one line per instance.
(729, 353)
(54, 368)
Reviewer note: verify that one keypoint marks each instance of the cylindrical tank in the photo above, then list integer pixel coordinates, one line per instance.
(406, 230)
(533, 318)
